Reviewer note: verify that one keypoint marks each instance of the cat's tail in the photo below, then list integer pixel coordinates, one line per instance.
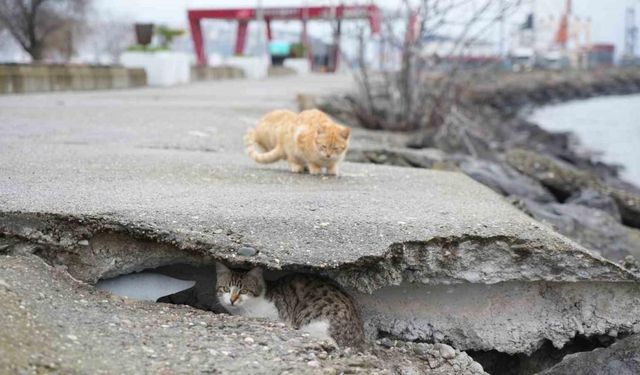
(266, 157)
(270, 156)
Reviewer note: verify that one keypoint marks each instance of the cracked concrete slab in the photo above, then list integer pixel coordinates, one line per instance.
(54, 324)
(166, 170)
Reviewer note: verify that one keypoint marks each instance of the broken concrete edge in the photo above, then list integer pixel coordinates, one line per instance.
(45, 331)
(468, 259)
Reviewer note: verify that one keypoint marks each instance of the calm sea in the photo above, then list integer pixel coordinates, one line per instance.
(610, 125)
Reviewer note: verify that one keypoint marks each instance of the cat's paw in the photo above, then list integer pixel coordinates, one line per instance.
(332, 170)
(314, 169)
(296, 168)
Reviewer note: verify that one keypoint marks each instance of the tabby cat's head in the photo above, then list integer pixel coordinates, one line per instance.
(235, 288)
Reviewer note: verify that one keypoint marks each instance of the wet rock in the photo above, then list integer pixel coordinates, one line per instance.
(505, 180)
(565, 180)
(555, 174)
(593, 228)
(621, 358)
(592, 198)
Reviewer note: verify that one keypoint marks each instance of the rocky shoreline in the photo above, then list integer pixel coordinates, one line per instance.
(539, 171)
(511, 93)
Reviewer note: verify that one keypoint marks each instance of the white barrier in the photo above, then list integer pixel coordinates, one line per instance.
(255, 67)
(163, 68)
(301, 65)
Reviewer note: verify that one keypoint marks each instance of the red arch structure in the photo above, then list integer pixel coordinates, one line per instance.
(304, 14)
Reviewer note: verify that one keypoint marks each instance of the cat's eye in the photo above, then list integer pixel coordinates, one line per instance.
(223, 289)
(243, 291)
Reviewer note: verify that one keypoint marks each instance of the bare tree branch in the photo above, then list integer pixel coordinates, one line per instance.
(423, 91)
(33, 23)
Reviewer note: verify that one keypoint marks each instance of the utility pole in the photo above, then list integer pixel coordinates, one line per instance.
(502, 20)
(262, 48)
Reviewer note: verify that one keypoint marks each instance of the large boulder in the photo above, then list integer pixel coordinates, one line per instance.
(505, 180)
(592, 198)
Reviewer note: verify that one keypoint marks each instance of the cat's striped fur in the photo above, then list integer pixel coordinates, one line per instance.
(304, 302)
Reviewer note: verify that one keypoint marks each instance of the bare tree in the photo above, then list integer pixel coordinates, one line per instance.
(424, 89)
(110, 37)
(33, 23)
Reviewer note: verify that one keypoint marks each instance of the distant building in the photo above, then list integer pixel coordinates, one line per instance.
(597, 56)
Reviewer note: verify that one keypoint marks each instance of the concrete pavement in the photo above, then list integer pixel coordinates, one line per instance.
(107, 183)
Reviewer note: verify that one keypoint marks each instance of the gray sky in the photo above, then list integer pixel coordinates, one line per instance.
(607, 15)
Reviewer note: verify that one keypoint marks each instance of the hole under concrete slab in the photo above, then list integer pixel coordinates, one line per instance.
(180, 284)
(498, 363)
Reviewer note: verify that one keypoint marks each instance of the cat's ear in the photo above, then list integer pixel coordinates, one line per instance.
(221, 268)
(345, 132)
(256, 272)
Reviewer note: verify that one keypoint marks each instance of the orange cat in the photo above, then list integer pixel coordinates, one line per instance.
(309, 139)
